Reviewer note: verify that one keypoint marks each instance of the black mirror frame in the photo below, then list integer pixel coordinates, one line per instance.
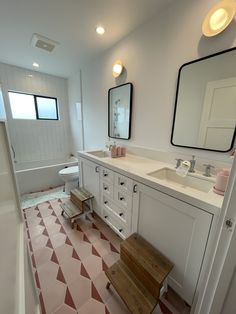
(130, 114)
(176, 99)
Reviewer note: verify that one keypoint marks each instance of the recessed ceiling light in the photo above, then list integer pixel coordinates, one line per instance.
(35, 64)
(100, 30)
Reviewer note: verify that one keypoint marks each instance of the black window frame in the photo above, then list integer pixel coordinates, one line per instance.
(36, 106)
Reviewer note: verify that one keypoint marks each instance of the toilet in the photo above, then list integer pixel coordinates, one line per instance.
(70, 176)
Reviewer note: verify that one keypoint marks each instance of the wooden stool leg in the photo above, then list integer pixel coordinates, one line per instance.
(108, 285)
(62, 212)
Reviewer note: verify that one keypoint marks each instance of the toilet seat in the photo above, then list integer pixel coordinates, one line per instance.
(69, 170)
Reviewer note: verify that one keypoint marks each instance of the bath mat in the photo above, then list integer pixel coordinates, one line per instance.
(33, 199)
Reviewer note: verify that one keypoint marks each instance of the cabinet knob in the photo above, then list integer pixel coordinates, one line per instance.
(120, 230)
(105, 188)
(122, 198)
(97, 169)
(122, 183)
(135, 188)
(105, 217)
(105, 202)
(121, 214)
(105, 174)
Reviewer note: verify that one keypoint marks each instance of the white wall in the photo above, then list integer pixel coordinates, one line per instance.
(152, 55)
(35, 140)
(74, 94)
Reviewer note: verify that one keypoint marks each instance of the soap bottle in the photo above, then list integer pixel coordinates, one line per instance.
(183, 169)
(118, 151)
(114, 151)
(221, 181)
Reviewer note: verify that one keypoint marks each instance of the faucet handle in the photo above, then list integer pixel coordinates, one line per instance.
(178, 162)
(208, 170)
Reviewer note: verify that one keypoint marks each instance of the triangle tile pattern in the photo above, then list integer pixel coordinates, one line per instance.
(113, 249)
(51, 275)
(68, 299)
(95, 252)
(60, 276)
(95, 294)
(75, 255)
(54, 258)
(83, 272)
(103, 237)
(86, 238)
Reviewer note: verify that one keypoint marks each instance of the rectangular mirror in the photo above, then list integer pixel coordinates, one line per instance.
(205, 105)
(119, 111)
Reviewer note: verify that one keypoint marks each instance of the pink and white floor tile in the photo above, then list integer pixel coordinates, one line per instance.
(69, 264)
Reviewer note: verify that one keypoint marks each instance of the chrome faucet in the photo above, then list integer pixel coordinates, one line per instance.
(208, 170)
(192, 164)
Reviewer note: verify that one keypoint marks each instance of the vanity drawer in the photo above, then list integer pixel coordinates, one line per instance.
(121, 229)
(121, 214)
(106, 188)
(123, 182)
(107, 174)
(123, 198)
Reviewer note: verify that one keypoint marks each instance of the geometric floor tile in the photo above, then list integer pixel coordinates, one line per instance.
(69, 264)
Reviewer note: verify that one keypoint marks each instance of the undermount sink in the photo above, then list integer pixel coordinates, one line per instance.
(100, 153)
(190, 181)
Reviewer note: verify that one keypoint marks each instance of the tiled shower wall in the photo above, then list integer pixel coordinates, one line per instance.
(36, 140)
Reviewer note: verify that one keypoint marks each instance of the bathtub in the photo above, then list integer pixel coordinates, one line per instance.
(41, 175)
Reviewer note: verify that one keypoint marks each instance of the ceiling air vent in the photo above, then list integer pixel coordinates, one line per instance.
(44, 43)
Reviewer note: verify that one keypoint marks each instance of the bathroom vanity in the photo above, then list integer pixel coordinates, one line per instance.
(137, 194)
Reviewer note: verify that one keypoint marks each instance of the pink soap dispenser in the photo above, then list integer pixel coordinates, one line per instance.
(221, 181)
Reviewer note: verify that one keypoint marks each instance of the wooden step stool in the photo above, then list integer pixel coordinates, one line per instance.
(77, 204)
(139, 274)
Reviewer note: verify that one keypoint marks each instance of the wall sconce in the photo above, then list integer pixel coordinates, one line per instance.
(218, 18)
(117, 68)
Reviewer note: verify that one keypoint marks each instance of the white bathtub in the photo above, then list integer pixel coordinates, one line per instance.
(41, 175)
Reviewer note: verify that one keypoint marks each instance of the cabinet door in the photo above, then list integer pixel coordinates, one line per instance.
(89, 179)
(178, 230)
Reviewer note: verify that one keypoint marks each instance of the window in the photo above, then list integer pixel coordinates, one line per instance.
(33, 107)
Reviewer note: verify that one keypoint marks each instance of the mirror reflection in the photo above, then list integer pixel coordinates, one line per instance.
(205, 107)
(119, 111)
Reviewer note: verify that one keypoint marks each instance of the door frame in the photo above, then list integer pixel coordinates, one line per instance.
(221, 267)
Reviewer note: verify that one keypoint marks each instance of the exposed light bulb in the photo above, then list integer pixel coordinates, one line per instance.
(100, 30)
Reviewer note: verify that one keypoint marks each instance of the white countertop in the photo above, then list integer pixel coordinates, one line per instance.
(137, 167)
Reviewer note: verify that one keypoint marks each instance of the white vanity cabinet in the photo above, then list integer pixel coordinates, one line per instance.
(116, 201)
(179, 230)
(89, 179)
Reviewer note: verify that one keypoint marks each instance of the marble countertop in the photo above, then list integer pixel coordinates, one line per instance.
(137, 168)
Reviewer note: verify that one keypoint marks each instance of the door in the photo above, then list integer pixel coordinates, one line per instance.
(219, 115)
(89, 178)
(180, 231)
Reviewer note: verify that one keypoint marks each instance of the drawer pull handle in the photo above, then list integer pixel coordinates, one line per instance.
(105, 217)
(105, 174)
(122, 183)
(122, 198)
(120, 230)
(96, 169)
(105, 188)
(105, 202)
(135, 188)
(121, 214)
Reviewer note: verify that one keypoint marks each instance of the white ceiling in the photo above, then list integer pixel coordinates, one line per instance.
(70, 22)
